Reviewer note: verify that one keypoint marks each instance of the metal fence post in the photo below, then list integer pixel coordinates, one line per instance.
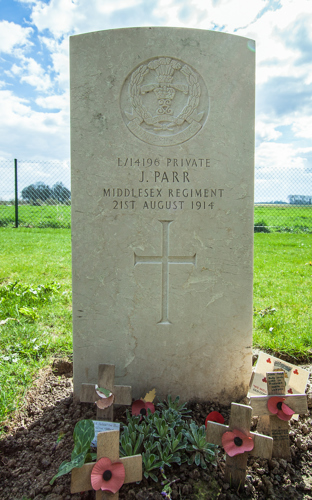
(16, 193)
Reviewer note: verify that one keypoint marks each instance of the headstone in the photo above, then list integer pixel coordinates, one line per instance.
(108, 447)
(235, 467)
(162, 140)
(106, 379)
(271, 424)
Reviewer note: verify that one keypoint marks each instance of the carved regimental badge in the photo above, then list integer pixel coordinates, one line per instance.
(164, 102)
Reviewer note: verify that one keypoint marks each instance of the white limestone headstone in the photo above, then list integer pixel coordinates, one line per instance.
(162, 141)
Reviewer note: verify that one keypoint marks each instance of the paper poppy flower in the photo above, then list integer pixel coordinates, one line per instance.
(108, 476)
(106, 397)
(236, 442)
(214, 416)
(139, 407)
(278, 408)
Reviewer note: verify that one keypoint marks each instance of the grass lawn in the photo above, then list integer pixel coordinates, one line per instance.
(283, 293)
(45, 216)
(35, 293)
(285, 218)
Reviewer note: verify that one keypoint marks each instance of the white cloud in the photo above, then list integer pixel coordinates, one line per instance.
(266, 128)
(35, 75)
(59, 51)
(274, 56)
(56, 16)
(105, 7)
(13, 35)
(31, 72)
(26, 133)
(302, 126)
(64, 17)
(283, 170)
(272, 157)
(232, 14)
(54, 102)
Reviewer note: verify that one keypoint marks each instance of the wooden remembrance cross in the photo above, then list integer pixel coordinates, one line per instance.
(271, 424)
(235, 467)
(106, 378)
(108, 447)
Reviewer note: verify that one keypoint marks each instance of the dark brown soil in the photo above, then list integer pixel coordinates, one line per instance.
(30, 456)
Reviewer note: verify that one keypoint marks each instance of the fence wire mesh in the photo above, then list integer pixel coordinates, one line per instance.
(283, 199)
(37, 194)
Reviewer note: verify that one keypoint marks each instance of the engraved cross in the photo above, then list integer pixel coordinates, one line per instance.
(164, 259)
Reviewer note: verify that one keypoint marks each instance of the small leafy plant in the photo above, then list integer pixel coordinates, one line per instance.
(83, 436)
(19, 300)
(174, 405)
(166, 437)
(200, 451)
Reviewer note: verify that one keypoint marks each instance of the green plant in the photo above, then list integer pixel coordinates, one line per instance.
(261, 227)
(150, 462)
(200, 451)
(177, 443)
(165, 455)
(164, 438)
(174, 405)
(30, 313)
(83, 436)
(130, 442)
(161, 427)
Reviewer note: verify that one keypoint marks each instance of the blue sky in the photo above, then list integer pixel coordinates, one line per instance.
(34, 74)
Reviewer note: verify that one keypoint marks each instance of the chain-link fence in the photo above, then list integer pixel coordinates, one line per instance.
(283, 199)
(37, 194)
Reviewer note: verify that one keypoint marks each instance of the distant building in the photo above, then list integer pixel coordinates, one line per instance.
(300, 199)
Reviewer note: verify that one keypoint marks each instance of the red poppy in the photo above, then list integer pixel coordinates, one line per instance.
(236, 442)
(139, 407)
(108, 476)
(276, 406)
(214, 416)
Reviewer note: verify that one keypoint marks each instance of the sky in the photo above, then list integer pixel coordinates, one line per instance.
(34, 79)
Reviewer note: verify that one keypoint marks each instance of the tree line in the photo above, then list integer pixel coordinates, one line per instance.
(39, 193)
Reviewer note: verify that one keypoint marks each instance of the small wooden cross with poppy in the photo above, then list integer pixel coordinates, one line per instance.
(276, 409)
(238, 442)
(110, 472)
(106, 379)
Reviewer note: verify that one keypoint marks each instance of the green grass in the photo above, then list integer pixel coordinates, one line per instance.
(37, 263)
(283, 293)
(285, 218)
(54, 216)
(35, 291)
